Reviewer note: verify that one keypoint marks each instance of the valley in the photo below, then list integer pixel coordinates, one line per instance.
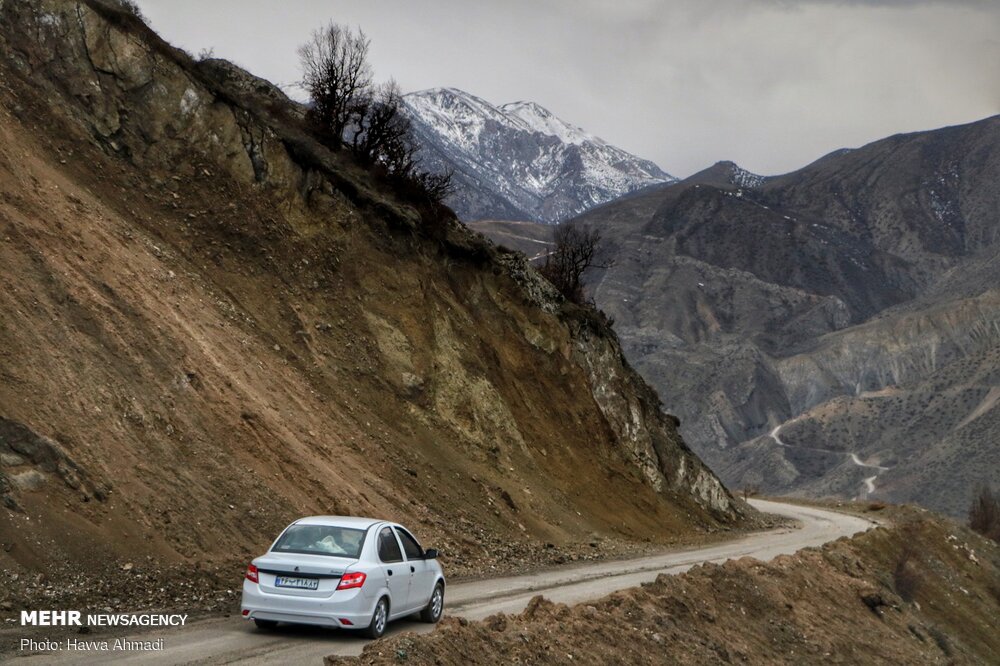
(751, 434)
(852, 303)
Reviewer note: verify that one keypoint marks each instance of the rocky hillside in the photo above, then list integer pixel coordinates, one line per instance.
(210, 325)
(518, 161)
(902, 406)
(853, 303)
(922, 591)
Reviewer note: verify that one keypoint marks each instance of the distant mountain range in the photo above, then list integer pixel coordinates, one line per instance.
(831, 331)
(518, 161)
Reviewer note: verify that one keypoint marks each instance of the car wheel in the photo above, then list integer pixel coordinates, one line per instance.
(435, 607)
(265, 624)
(380, 618)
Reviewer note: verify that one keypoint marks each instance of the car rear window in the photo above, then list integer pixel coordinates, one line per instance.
(321, 540)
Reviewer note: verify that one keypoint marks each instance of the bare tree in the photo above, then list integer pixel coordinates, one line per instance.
(984, 514)
(577, 248)
(384, 137)
(347, 109)
(338, 78)
(383, 134)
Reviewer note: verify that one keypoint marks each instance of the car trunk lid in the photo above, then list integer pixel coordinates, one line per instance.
(301, 575)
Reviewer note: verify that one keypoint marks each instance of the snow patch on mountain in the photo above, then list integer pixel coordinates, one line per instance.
(519, 160)
(540, 120)
(745, 179)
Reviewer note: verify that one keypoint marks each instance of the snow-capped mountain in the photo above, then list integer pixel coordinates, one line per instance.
(518, 161)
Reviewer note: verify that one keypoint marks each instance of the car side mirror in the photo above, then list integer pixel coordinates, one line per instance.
(430, 554)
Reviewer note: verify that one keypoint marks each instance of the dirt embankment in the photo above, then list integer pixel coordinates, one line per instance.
(924, 591)
(210, 325)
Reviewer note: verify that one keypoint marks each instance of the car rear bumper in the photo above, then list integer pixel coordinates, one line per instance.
(354, 611)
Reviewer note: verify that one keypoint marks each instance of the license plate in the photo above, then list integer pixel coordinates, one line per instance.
(299, 583)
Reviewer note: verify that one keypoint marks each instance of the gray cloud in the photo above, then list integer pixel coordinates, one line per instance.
(903, 4)
(771, 84)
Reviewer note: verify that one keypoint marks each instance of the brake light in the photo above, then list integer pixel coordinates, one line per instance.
(252, 574)
(351, 580)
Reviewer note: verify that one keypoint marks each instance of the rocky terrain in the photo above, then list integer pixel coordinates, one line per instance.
(902, 407)
(852, 303)
(922, 591)
(518, 161)
(210, 325)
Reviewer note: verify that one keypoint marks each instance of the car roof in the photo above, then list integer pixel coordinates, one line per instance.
(340, 521)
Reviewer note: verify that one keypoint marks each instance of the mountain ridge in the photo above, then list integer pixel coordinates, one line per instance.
(518, 160)
(838, 293)
(827, 252)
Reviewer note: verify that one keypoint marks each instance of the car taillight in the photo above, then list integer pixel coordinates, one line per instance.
(252, 574)
(351, 580)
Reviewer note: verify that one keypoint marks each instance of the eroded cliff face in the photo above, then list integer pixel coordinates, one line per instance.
(654, 445)
(220, 326)
(897, 349)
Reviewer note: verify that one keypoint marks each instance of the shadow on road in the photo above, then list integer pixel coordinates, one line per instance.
(312, 633)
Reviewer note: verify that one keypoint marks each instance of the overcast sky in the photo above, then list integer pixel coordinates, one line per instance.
(769, 84)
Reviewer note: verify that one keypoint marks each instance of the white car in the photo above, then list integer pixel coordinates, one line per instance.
(336, 571)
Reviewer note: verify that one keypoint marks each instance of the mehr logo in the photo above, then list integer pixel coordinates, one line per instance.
(72, 618)
(50, 618)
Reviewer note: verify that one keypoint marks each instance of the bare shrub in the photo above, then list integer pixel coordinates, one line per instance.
(905, 577)
(984, 513)
(437, 186)
(577, 248)
(941, 640)
(133, 9)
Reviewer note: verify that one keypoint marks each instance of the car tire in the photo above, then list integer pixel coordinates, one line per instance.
(435, 607)
(265, 624)
(380, 618)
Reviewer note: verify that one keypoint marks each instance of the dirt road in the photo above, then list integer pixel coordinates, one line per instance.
(868, 482)
(232, 640)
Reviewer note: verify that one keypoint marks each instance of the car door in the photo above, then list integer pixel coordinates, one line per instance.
(422, 575)
(397, 572)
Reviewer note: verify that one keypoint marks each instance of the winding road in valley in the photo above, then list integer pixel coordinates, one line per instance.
(233, 640)
(869, 481)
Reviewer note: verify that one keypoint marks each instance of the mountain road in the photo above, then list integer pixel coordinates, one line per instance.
(233, 640)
